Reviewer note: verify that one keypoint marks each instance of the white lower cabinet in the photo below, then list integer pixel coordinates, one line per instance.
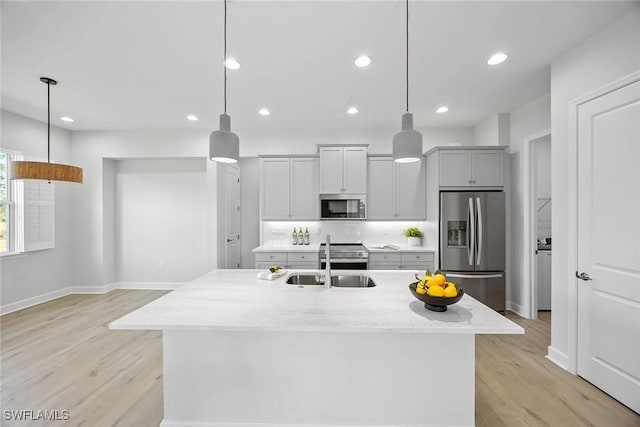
(420, 261)
(291, 260)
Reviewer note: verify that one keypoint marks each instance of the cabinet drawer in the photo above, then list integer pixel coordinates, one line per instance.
(421, 268)
(417, 257)
(385, 257)
(306, 256)
(384, 266)
(300, 265)
(271, 256)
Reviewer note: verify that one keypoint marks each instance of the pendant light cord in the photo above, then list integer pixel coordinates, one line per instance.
(407, 52)
(48, 122)
(224, 62)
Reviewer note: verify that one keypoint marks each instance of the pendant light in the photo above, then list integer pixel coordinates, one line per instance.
(47, 171)
(407, 144)
(224, 145)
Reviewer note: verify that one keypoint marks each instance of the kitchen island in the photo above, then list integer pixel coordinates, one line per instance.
(239, 351)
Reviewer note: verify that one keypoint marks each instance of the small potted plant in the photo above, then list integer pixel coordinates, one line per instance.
(414, 236)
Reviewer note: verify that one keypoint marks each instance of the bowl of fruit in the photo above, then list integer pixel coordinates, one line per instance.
(435, 291)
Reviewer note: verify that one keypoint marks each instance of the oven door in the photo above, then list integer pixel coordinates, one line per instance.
(351, 264)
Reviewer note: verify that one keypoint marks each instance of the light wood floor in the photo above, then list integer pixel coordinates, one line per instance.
(60, 355)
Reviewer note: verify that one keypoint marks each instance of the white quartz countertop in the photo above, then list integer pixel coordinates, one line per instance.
(283, 246)
(235, 300)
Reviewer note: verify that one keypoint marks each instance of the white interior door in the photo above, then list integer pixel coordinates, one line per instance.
(609, 243)
(232, 218)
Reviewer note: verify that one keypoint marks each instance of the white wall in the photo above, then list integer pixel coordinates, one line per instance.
(160, 219)
(542, 162)
(296, 141)
(494, 130)
(249, 210)
(609, 55)
(526, 121)
(46, 271)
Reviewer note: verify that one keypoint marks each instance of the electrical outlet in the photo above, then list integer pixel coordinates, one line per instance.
(161, 266)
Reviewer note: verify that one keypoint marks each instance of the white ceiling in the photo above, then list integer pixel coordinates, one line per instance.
(146, 65)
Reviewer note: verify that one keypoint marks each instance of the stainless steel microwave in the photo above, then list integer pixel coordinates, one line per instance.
(342, 206)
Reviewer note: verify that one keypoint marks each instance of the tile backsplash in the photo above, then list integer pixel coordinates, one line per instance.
(346, 231)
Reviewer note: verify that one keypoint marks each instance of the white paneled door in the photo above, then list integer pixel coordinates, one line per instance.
(232, 218)
(609, 243)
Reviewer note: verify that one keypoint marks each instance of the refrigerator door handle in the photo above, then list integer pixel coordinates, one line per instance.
(472, 232)
(480, 226)
(474, 276)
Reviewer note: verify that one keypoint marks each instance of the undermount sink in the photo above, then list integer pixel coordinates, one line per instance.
(337, 281)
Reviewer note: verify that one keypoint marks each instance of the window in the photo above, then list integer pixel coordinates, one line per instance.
(26, 211)
(6, 216)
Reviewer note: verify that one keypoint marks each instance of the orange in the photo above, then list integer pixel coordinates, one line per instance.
(435, 291)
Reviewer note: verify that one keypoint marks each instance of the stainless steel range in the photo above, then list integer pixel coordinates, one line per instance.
(345, 256)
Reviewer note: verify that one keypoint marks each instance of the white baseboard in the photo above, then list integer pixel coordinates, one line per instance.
(156, 286)
(49, 296)
(38, 299)
(516, 308)
(558, 357)
(93, 289)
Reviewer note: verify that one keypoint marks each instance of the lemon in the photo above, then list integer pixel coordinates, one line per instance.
(450, 292)
(420, 290)
(435, 291)
(441, 279)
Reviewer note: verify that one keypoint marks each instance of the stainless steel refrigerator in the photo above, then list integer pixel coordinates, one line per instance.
(472, 243)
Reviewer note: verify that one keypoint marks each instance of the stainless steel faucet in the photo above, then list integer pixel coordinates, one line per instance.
(327, 270)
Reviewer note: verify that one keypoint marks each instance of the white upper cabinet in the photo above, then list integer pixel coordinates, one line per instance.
(471, 168)
(343, 170)
(305, 200)
(381, 203)
(289, 188)
(275, 180)
(455, 168)
(396, 190)
(354, 170)
(410, 190)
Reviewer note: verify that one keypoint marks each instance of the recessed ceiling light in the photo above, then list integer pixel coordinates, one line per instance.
(67, 119)
(192, 118)
(231, 64)
(352, 110)
(264, 112)
(362, 61)
(497, 58)
(442, 109)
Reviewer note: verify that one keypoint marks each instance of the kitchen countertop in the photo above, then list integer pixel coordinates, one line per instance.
(235, 300)
(284, 246)
(403, 248)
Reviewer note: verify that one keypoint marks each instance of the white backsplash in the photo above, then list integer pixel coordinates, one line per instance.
(346, 231)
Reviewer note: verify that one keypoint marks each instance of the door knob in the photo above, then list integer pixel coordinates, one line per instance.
(583, 276)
